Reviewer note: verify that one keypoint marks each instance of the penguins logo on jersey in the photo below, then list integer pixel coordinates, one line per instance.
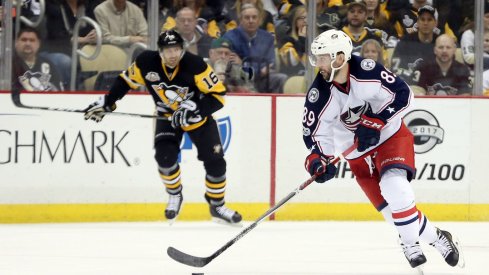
(439, 89)
(407, 21)
(351, 118)
(36, 81)
(426, 130)
(416, 64)
(169, 36)
(172, 95)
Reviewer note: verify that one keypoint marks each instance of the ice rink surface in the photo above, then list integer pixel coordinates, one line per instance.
(271, 248)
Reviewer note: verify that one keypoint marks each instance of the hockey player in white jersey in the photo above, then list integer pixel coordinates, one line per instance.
(358, 100)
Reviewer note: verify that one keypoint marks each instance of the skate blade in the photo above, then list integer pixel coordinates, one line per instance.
(221, 221)
(419, 268)
(171, 221)
(461, 257)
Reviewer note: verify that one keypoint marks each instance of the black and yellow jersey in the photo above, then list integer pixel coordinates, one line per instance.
(192, 79)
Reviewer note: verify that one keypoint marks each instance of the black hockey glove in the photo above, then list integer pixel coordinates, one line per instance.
(368, 131)
(320, 166)
(186, 115)
(96, 111)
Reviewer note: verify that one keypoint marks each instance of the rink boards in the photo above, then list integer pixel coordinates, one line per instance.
(55, 166)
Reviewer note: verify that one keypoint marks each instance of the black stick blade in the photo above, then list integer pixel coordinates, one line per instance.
(186, 259)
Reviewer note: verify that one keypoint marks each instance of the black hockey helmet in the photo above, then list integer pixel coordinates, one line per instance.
(169, 38)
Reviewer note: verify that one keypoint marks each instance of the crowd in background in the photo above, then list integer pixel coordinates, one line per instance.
(260, 45)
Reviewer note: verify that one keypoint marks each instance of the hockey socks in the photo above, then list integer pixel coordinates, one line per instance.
(171, 179)
(215, 189)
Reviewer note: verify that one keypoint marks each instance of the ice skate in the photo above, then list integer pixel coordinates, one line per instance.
(449, 248)
(224, 215)
(414, 255)
(173, 207)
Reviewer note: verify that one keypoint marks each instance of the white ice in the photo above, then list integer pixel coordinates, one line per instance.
(270, 248)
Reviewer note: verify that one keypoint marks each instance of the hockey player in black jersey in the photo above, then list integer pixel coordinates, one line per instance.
(186, 91)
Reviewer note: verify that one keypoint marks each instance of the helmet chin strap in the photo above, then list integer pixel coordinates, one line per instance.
(333, 70)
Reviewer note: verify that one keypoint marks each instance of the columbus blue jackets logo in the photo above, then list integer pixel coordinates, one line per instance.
(367, 64)
(225, 132)
(426, 130)
(313, 95)
(351, 118)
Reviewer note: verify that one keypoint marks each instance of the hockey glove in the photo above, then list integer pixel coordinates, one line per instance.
(320, 166)
(186, 115)
(368, 131)
(96, 111)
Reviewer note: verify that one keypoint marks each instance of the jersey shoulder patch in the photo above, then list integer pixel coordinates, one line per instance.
(367, 64)
(318, 94)
(365, 68)
(313, 95)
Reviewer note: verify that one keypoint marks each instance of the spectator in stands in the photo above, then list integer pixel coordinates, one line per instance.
(377, 21)
(219, 56)
(330, 15)
(404, 16)
(228, 67)
(266, 19)
(122, 23)
(468, 39)
(416, 47)
(206, 17)
(60, 19)
(194, 41)
(30, 71)
(372, 49)
(355, 28)
(293, 50)
(255, 47)
(285, 7)
(165, 11)
(444, 75)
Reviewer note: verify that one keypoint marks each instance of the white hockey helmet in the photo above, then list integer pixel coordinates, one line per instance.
(331, 42)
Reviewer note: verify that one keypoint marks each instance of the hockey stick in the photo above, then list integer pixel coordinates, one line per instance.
(190, 260)
(18, 103)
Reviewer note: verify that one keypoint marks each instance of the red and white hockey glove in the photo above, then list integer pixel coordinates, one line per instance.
(319, 165)
(368, 131)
